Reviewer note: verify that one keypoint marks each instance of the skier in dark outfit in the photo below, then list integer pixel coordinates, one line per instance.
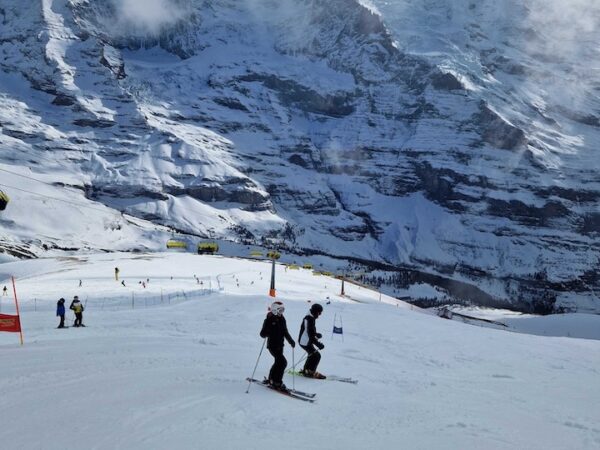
(60, 312)
(308, 339)
(275, 329)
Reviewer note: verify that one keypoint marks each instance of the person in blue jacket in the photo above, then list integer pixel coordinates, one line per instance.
(60, 312)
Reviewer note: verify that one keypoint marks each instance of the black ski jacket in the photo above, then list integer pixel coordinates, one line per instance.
(275, 329)
(308, 332)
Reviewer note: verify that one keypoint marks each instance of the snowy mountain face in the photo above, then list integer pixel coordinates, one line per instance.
(446, 141)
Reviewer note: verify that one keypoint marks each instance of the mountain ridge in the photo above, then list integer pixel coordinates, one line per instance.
(318, 124)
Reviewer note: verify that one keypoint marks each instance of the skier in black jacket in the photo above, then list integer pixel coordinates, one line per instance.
(275, 329)
(308, 339)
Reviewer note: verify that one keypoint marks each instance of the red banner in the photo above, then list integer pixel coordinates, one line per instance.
(10, 323)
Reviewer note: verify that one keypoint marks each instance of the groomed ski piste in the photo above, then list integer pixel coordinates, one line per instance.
(164, 366)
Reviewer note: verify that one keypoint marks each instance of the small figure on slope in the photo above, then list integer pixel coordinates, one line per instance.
(308, 339)
(77, 308)
(275, 329)
(60, 312)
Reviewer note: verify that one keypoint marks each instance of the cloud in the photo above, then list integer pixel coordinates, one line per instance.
(566, 26)
(149, 16)
(566, 44)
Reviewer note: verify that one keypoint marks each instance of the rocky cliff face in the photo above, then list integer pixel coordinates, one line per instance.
(427, 139)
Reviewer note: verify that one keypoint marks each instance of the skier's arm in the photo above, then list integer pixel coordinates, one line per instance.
(289, 338)
(312, 332)
(287, 335)
(264, 332)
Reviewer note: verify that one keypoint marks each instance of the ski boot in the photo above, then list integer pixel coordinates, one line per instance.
(275, 385)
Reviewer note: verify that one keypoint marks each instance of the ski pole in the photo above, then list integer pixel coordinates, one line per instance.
(301, 359)
(293, 373)
(257, 359)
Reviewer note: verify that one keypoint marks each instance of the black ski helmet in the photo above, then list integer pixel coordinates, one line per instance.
(316, 309)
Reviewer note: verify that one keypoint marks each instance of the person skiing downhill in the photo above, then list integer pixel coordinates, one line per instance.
(308, 339)
(275, 330)
(77, 308)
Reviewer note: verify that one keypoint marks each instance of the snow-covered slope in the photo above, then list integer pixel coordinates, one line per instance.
(169, 372)
(439, 138)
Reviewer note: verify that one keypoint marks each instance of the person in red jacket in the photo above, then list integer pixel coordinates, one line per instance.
(309, 339)
(274, 329)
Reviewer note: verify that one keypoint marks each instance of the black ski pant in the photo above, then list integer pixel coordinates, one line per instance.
(78, 319)
(276, 372)
(313, 358)
(62, 321)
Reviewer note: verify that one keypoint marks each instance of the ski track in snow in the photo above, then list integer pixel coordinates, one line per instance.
(173, 375)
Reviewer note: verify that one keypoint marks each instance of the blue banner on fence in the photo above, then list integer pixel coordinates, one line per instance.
(338, 330)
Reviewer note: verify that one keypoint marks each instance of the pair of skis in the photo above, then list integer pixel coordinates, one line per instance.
(329, 377)
(288, 392)
(294, 393)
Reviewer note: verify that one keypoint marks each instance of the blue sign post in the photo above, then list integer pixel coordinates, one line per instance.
(338, 329)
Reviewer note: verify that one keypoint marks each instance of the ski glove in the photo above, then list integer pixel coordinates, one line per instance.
(321, 346)
(319, 335)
